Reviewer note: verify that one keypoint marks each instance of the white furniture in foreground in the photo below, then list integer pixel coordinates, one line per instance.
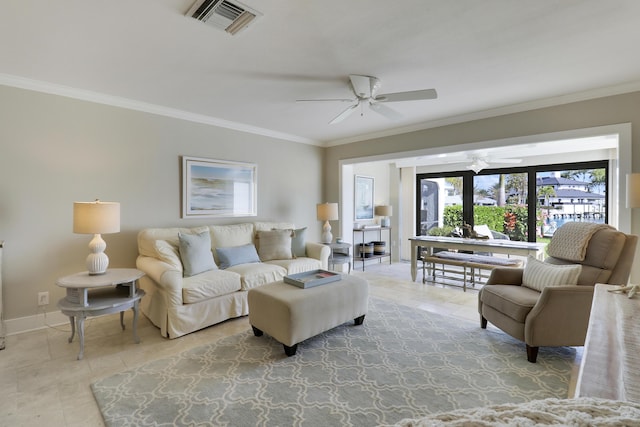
(611, 359)
(509, 247)
(94, 295)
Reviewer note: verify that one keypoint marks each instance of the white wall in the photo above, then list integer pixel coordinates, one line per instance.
(57, 150)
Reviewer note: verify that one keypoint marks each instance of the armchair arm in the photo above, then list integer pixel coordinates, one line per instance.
(566, 306)
(320, 252)
(505, 276)
(165, 276)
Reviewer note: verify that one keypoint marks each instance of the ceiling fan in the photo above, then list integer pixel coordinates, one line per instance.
(365, 89)
(473, 161)
(482, 162)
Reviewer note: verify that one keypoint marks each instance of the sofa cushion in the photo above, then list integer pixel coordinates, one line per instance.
(299, 242)
(298, 265)
(210, 284)
(225, 236)
(537, 274)
(235, 255)
(195, 252)
(512, 300)
(253, 275)
(274, 244)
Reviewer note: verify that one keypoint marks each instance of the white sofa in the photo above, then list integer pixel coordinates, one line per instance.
(179, 304)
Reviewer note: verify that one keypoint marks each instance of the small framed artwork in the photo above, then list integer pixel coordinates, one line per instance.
(363, 197)
(218, 188)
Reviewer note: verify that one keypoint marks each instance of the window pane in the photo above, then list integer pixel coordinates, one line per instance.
(570, 195)
(440, 205)
(500, 203)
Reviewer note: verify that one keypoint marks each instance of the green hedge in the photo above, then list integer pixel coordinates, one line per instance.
(510, 220)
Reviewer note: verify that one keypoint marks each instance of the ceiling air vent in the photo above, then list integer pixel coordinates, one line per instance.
(223, 14)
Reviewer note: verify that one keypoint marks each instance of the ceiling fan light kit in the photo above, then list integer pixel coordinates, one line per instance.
(365, 89)
(477, 165)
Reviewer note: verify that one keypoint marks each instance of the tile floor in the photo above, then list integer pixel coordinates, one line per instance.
(42, 383)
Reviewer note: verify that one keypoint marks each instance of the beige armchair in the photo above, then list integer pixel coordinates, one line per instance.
(558, 315)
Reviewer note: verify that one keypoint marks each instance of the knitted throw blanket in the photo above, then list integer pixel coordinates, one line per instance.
(570, 241)
(581, 411)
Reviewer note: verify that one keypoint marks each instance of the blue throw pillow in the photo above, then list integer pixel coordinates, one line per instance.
(235, 255)
(195, 252)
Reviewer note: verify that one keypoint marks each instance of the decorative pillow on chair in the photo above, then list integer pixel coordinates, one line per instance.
(274, 244)
(538, 275)
(195, 251)
(237, 255)
(299, 243)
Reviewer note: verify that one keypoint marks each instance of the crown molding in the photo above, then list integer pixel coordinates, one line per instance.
(130, 104)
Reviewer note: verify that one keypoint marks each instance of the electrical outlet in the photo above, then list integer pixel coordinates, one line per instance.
(43, 298)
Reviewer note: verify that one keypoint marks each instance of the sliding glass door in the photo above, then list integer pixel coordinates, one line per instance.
(524, 204)
(439, 197)
(500, 205)
(570, 194)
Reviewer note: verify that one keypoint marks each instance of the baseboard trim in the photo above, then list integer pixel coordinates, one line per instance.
(36, 322)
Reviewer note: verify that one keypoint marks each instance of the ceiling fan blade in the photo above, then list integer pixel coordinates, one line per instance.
(361, 85)
(346, 113)
(414, 95)
(326, 100)
(389, 113)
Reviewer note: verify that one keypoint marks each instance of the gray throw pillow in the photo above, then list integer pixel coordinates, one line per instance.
(538, 275)
(195, 252)
(299, 243)
(235, 255)
(274, 244)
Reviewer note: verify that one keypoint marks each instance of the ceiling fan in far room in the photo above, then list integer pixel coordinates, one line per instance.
(474, 162)
(365, 89)
(482, 162)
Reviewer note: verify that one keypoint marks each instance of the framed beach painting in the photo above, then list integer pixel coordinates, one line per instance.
(218, 188)
(363, 197)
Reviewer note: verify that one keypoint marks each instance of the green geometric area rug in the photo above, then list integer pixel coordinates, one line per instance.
(401, 363)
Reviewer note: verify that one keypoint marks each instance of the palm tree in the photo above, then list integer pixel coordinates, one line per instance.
(517, 182)
(546, 191)
(502, 198)
(456, 183)
(598, 179)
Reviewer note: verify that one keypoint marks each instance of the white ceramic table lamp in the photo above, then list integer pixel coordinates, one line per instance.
(385, 211)
(327, 212)
(96, 218)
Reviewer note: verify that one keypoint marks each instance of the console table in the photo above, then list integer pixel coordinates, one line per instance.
(509, 247)
(358, 256)
(609, 367)
(95, 295)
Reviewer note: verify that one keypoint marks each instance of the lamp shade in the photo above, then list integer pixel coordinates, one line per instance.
(384, 210)
(96, 217)
(327, 211)
(633, 190)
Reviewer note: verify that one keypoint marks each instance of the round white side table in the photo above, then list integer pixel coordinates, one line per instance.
(95, 295)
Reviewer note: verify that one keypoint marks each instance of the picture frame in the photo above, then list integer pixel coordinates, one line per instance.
(363, 197)
(218, 188)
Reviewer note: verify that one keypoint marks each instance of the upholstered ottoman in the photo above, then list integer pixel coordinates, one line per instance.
(291, 314)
